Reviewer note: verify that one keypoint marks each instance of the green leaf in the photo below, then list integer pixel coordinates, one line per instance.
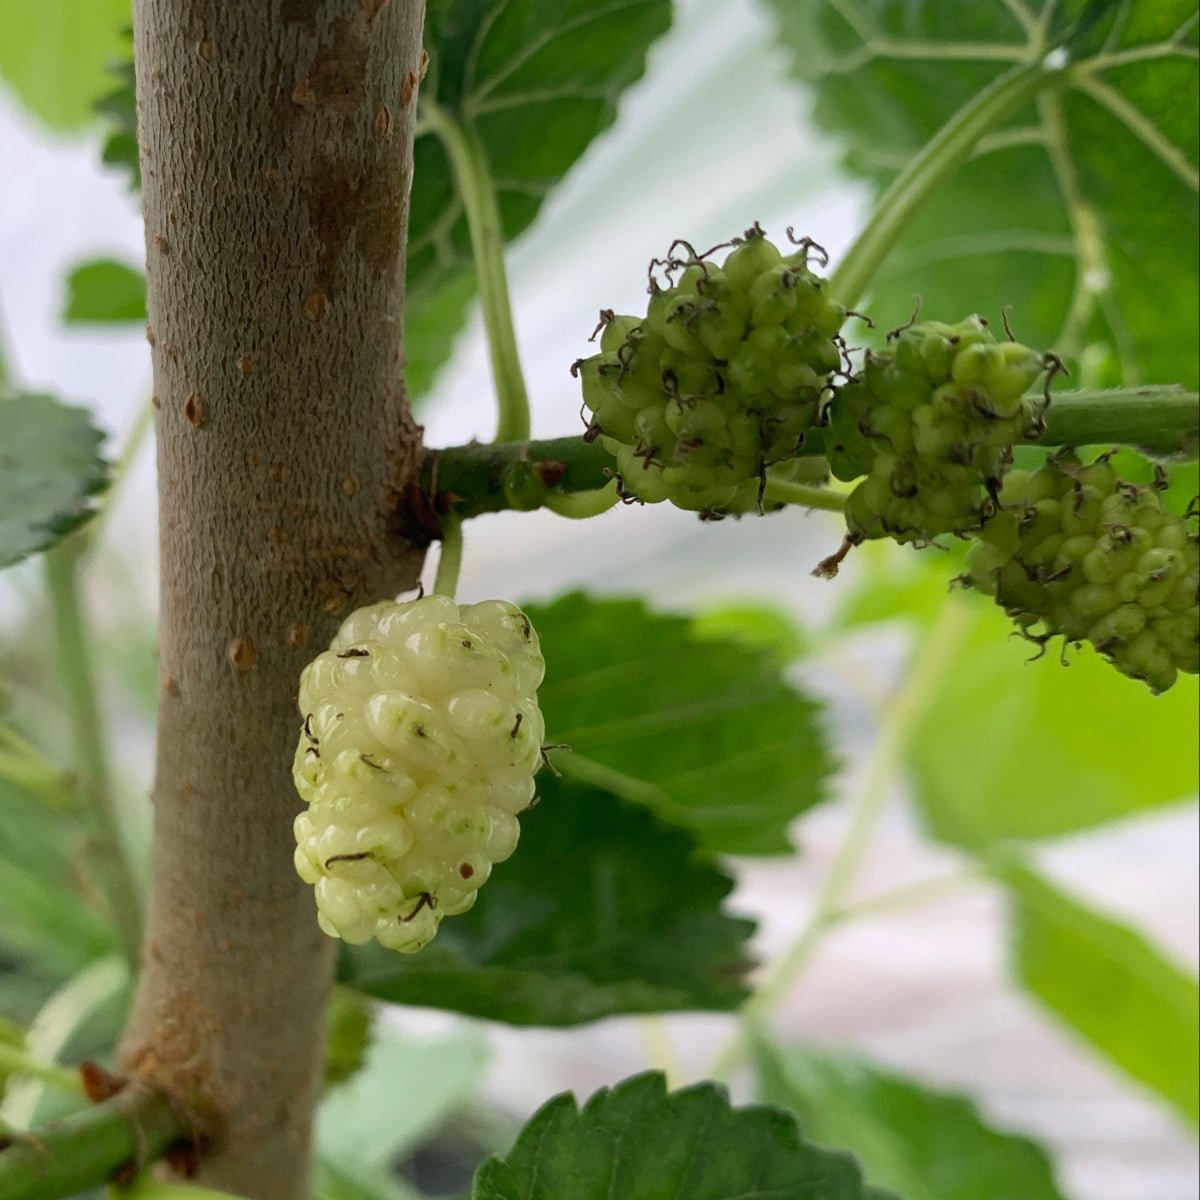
(53, 54)
(602, 910)
(1011, 748)
(49, 927)
(894, 583)
(407, 1089)
(99, 993)
(535, 81)
(49, 467)
(925, 1144)
(105, 290)
(760, 626)
(118, 108)
(431, 329)
(638, 1142)
(706, 732)
(1110, 985)
(348, 1028)
(1050, 216)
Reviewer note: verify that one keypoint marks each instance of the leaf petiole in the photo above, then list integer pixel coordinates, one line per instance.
(474, 181)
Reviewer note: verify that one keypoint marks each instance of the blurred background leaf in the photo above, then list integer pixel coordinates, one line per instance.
(1107, 983)
(922, 1143)
(54, 55)
(1011, 748)
(104, 290)
(406, 1090)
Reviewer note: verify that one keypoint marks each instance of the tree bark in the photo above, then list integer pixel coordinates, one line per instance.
(276, 145)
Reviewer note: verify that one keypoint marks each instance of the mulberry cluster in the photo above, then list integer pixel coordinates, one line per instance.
(420, 741)
(720, 379)
(1074, 551)
(930, 424)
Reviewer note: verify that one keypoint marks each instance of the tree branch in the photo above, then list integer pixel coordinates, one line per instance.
(82, 1151)
(276, 147)
(1162, 421)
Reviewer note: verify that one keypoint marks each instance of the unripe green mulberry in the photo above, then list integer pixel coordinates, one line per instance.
(721, 379)
(930, 424)
(420, 740)
(1078, 553)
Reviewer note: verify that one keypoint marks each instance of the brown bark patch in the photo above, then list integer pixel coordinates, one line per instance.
(339, 72)
(301, 12)
(315, 305)
(242, 655)
(342, 203)
(245, 364)
(195, 410)
(98, 1084)
(409, 88)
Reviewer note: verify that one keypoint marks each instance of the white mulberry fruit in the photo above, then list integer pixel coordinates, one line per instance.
(420, 740)
(930, 424)
(1077, 552)
(721, 379)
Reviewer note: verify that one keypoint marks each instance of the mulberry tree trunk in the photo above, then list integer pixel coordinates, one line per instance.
(276, 143)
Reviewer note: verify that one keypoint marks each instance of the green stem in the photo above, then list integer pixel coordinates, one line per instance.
(17, 1060)
(579, 506)
(951, 146)
(83, 1150)
(911, 895)
(474, 182)
(784, 491)
(108, 859)
(935, 656)
(449, 566)
(147, 1187)
(1162, 421)
(469, 480)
